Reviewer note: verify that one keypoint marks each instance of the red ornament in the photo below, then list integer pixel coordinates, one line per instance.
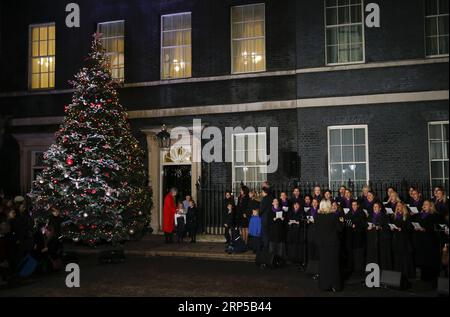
(69, 160)
(94, 191)
(81, 227)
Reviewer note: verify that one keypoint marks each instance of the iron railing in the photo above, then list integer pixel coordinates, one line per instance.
(211, 196)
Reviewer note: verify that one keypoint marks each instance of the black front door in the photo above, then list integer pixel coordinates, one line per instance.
(178, 176)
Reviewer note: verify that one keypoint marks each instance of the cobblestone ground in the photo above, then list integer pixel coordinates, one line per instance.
(158, 276)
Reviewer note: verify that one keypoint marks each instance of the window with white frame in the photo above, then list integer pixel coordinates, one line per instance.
(438, 144)
(348, 155)
(249, 160)
(436, 27)
(344, 31)
(113, 39)
(176, 47)
(248, 38)
(37, 164)
(42, 56)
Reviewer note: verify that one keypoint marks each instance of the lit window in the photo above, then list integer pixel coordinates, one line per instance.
(248, 40)
(113, 38)
(436, 27)
(176, 48)
(348, 156)
(344, 31)
(42, 59)
(438, 143)
(249, 160)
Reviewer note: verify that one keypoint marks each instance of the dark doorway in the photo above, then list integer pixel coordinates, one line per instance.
(178, 176)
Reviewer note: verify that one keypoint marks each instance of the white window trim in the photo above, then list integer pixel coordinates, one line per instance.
(337, 25)
(233, 172)
(30, 56)
(113, 37)
(425, 31)
(343, 127)
(161, 46)
(429, 148)
(233, 72)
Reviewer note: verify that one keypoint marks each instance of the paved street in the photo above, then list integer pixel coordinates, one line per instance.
(168, 276)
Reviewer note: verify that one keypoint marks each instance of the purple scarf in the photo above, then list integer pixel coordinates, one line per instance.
(376, 217)
(423, 215)
(313, 211)
(276, 210)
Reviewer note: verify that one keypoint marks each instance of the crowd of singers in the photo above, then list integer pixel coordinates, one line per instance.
(334, 238)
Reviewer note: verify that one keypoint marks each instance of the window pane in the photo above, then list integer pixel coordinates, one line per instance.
(336, 172)
(432, 46)
(332, 18)
(360, 136)
(360, 153)
(355, 14)
(435, 132)
(443, 45)
(436, 150)
(360, 172)
(431, 7)
(443, 6)
(347, 137)
(113, 40)
(335, 154)
(348, 172)
(335, 137)
(347, 154)
(42, 59)
(437, 170)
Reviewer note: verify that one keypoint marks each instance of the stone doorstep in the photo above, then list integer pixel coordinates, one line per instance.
(244, 257)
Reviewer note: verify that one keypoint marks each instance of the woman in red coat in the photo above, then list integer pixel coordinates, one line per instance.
(169, 215)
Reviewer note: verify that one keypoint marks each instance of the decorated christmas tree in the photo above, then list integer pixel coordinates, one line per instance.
(94, 173)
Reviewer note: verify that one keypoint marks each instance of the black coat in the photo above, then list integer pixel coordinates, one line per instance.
(295, 233)
(426, 244)
(265, 209)
(379, 242)
(192, 219)
(356, 237)
(402, 248)
(277, 228)
(242, 209)
(328, 228)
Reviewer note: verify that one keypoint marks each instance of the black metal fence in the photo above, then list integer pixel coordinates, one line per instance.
(211, 196)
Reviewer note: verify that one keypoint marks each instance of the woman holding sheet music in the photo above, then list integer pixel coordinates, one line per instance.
(355, 238)
(312, 251)
(277, 229)
(401, 242)
(427, 251)
(379, 238)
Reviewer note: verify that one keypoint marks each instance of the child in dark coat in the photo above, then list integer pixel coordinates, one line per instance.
(229, 222)
(255, 231)
(192, 221)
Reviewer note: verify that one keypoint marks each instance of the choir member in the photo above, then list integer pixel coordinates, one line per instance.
(355, 236)
(401, 242)
(363, 197)
(317, 193)
(296, 197)
(369, 202)
(277, 230)
(328, 195)
(284, 202)
(347, 201)
(427, 248)
(312, 251)
(340, 197)
(379, 238)
(411, 189)
(328, 228)
(307, 201)
(393, 201)
(243, 212)
(389, 191)
(228, 199)
(441, 203)
(295, 235)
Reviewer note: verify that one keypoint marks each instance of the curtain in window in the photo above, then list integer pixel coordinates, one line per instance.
(113, 38)
(248, 38)
(176, 46)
